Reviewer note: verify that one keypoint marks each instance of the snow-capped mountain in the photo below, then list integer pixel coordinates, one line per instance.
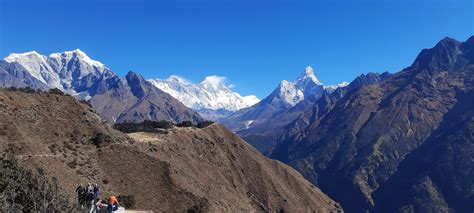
(71, 71)
(285, 96)
(211, 97)
(37, 65)
(307, 84)
(293, 92)
(116, 99)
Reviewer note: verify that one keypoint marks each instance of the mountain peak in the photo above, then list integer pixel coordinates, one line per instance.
(308, 75)
(470, 41)
(135, 81)
(293, 92)
(131, 74)
(177, 79)
(309, 70)
(447, 40)
(77, 53)
(443, 56)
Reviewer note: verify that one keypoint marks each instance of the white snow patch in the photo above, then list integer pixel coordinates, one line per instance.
(331, 88)
(248, 123)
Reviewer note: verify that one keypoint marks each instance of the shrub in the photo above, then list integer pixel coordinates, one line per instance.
(204, 124)
(56, 91)
(23, 191)
(12, 89)
(145, 126)
(185, 124)
(127, 201)
(73, 164)
(26, 90)
(99, 139)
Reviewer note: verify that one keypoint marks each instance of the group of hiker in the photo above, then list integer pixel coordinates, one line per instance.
(88, 197)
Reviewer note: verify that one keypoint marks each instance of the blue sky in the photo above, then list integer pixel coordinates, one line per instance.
(254, 43)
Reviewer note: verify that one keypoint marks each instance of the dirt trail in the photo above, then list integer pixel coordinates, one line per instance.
(22, 157)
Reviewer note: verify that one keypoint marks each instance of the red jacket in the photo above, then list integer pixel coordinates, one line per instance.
(112, 200)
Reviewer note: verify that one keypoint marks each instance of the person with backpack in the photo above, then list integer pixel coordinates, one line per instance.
(80, 190)
(113, 204)
(89, 197)
(96, 191)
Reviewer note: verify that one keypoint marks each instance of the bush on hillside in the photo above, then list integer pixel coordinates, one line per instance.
(56, 91)
(204, 124)
(185, 124)
(23, 191)
(127, 201)
(27, 90)
(99, 139)
(22, 89)
(145, 126)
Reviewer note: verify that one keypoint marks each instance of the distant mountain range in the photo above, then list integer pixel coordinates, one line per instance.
(75, 73)
(212, 98)
(117, 99)
(285, 96)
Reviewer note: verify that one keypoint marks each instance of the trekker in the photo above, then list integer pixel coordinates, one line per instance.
(90, 188)
(113, 204)
(89, 197)
(96, 192)
(80, 190)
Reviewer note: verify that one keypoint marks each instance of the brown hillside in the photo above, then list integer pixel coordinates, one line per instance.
(215, 164)
(202, 169)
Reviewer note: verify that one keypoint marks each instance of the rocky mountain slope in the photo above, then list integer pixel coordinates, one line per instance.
(133, 99)
(402, 145)
(284, 97)
(212, 98)
(210, 169)
(266, 136)
(77, 74)
(438, 175)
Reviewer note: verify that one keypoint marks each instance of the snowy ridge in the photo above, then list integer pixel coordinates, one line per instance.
(332, 88)
(211, 93)
(37, 66)
(69, 71)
